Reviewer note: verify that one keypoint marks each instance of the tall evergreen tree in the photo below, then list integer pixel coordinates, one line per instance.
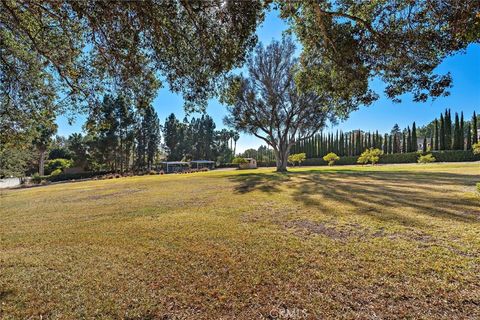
(408, 147)
(390, 144)
(125, 133)
(448, 130)
(456, 127)
(424, 147)
(396, 134)
(173, 135)
(435, 146)
(385, 144)
(461, 139)
(474, 128)
(442, 133)
(404, 141)
(414, 144)
(469, 137)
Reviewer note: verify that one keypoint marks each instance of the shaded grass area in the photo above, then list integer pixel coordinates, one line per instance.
(350, 242)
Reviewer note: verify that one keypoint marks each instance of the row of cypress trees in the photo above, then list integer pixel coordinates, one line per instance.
(342, 143)
(445, 135)
(449, 135)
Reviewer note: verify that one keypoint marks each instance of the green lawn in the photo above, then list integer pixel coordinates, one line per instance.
(398, 241)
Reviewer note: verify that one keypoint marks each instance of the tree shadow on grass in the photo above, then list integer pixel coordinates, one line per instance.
(377, 194)
(265, 182)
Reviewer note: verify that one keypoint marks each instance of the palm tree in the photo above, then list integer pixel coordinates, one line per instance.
(236, 136)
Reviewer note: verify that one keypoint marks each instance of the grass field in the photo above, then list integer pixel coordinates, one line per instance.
(385, 242)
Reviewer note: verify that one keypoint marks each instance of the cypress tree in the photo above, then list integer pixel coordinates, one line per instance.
(408, 147)
(456, 133)
(474, 128)
(461, 140)
(435, 146)
(396, 144)
(385, 144)
(469, 137)
(345, 149)
(414, 146)
(442, 132)
(390, 144)
(424, 145)
(337, 143)
(358, 143)
(448, 130)
(431, 142)
(404, 142)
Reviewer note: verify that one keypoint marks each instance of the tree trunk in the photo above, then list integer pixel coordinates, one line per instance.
(41, 163)
(281, 156)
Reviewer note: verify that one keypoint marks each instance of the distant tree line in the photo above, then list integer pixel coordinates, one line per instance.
(121, 139)
(443, 134)
(197, 139)
(262, 154)
(447, 133)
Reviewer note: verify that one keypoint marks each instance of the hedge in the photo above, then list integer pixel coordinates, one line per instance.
(411, 157)
(227, 165)
(455, 156)
(75, 176)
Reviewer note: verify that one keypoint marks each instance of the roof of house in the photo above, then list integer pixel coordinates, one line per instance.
(175, 162)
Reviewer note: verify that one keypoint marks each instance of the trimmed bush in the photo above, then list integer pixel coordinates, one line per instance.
(297, 158)
(476, 148)
(331, 158)
(428, 158)
(370, 155)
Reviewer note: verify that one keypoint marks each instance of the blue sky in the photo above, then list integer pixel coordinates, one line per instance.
(381, 116)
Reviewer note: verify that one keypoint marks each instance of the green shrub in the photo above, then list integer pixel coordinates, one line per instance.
(52, 165)
(370, 155)
(297, 158)
(428, 158)
(331, 158)
(36, 178)
(476, 148)
(239, 160)
(56, 172)
(478, 187)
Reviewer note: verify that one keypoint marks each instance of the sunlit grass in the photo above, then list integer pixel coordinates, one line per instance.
(350, 242)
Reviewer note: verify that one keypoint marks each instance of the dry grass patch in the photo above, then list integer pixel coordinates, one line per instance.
(349, 242)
